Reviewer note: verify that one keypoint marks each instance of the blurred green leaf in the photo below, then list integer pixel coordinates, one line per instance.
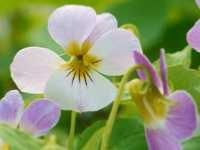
(186, 79)
(91, 137)
(192, 144)
(19, 140)
(127, 109)
(127, 134)
(149, 17)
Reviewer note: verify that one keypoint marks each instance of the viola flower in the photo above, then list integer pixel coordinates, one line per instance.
(193, 36)
(169, 117)
(96, 47)
(37, 119)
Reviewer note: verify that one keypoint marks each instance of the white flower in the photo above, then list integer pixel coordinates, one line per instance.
(96, 46)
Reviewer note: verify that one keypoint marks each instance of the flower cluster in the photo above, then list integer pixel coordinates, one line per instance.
(97, 47)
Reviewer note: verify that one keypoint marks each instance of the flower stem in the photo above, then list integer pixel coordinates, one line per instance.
(113, 113)
(72, 131)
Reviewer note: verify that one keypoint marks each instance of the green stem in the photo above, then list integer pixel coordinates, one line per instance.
(113, 113)
(72, 131)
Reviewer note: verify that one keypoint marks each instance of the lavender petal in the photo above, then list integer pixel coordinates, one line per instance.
(160, 139)
(40, 117)
(141, 59)
(11, 108)
(182, 118)
(163, 71)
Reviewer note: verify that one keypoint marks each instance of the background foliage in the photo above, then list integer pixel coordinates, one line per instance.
(161, 23)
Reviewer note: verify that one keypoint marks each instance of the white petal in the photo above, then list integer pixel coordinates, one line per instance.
(98, 93)
(71, 23)
(115, 50)
(105, 22)
(32, 67)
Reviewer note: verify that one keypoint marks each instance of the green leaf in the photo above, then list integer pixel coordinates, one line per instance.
(179, 58)
(186, 79)
(127, 134)
(91, 137)
(192, 144)
(18, 140)
(149, 17)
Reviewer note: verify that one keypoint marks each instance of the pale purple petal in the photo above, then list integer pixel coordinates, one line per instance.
(182, 119)
(141, 59)
(163, 71)
(40, 117)
(32, 67)
(193, 36)
(198, 3)
(11, 108)
(160, 139)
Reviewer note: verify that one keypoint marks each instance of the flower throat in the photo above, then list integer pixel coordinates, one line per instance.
(82, 63)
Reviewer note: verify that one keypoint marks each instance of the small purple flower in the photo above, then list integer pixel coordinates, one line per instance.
(37, 119)
(169, 118)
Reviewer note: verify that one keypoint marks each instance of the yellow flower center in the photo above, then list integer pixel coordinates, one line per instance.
(151, 104)
(81, 63)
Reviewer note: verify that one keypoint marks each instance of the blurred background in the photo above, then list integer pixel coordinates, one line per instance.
(161, 23)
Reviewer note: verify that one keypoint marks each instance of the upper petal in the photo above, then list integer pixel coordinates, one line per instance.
(114, 49)
(104, 23)
(160, 139)
(141, 59)
(182, 118)
(32, 67)
(71, 23)
(193, 36)
(11, 108)
(91, 94)
(163, 71)
(40, 117)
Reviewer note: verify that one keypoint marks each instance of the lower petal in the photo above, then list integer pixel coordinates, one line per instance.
(11, 108)
(40, 117)
(182, 119)
(91, 94)
(160, 139)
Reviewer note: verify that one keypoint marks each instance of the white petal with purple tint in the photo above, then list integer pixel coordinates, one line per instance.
(161, 139)
(163, 71)
(114, 49)
(182, 118)
(193, 36)
(32, 67)
(104, 23)
(40, 117)
(70, 93)
(11, 108)
(71, 23)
